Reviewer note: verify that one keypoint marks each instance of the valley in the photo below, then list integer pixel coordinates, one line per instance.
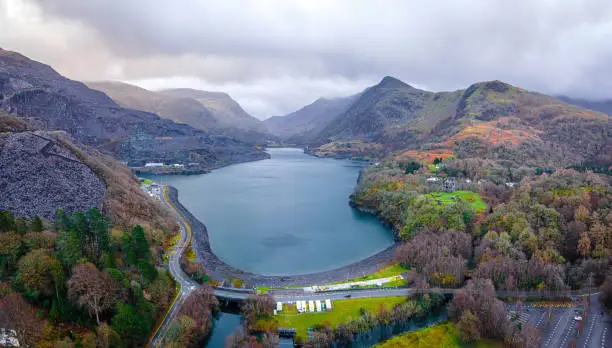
(472, 196)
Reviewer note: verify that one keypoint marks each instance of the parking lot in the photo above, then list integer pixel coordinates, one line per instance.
(562, 324)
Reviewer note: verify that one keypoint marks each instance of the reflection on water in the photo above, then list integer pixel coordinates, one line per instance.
(225, 325)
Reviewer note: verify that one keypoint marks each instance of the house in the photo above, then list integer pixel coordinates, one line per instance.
(176, 165)
(279, 306)
(311, 306)
(450, 185)
(511, 184)
(319, 308)
(433, 179)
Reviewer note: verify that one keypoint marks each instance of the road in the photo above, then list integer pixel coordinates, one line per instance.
(174, 266)
(560, 330)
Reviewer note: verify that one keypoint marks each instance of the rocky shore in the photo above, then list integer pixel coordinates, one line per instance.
(220, 270)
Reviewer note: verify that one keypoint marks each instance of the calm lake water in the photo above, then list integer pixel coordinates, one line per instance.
(285, 215)
(225, 325)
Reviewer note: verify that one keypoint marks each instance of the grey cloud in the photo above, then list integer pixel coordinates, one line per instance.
(274, 55)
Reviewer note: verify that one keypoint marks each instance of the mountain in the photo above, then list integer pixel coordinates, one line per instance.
(305, 123)
(604, 106)
(41, 171)
(389, 113)
(182, 110)
(487, 120)
(177, 109)
(225, 109)
(49, 101)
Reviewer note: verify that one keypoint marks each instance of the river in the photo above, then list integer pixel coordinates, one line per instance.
(282, 216)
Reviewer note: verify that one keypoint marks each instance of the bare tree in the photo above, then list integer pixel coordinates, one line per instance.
(92, 288)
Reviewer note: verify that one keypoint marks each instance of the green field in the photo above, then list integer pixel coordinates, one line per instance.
(147, 182)
(472, 198)
(343, 311)
(442, 335)
(385, 272)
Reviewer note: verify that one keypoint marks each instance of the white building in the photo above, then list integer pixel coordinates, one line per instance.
(153, 164)
(311, 306)
(319, 308)
(279, 306)
(328, 305)
(432, 179)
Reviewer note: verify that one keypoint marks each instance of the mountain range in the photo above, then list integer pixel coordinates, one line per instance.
(48, 101)
(55, 131)
(491, 120)
(214, 112)
(304, 124)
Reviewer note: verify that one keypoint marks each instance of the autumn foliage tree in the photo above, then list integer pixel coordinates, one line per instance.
(469, 327)
(92, 288)
(478, 298)
(17, 314)
(200, 306)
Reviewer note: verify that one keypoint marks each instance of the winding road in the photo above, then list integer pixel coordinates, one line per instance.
(290, 295)
(186, 285)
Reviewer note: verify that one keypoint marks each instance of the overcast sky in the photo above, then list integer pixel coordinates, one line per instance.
(276, 56)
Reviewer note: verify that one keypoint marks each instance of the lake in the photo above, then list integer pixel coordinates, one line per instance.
(282, 216)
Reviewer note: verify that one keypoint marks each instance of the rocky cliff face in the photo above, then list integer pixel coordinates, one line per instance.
(51, 101)
(39, 175)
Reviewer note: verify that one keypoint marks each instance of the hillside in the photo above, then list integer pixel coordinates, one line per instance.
(41, 171)
(51, 101)
(604, 106)
(225, 109)
(491, 120)
(178, 109)
(302, 125)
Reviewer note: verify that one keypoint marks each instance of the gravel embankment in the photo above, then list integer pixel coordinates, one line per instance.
(219, 270)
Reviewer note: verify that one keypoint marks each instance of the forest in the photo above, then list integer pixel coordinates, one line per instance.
(77, 282)
(550, 230)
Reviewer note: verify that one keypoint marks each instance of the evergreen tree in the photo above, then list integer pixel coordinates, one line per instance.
(80, 225)
(36, 225)
(139, 243)
(129, 324)
(21, 226)
(96, 239)
(62, 222)
(7, 221)
(68, 246)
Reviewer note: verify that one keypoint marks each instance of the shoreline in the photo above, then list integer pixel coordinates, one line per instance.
(219, 270)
